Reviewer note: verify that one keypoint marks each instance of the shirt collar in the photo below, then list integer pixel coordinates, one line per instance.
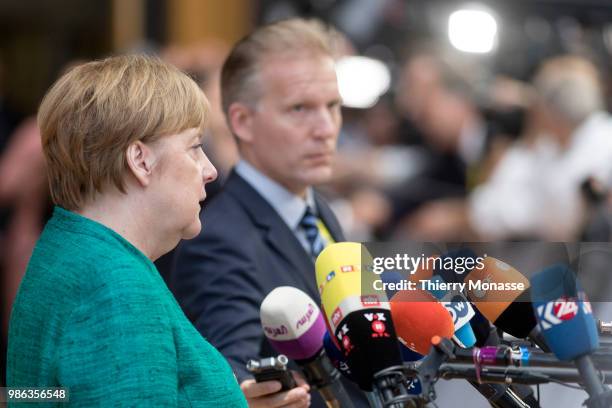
(289, 206)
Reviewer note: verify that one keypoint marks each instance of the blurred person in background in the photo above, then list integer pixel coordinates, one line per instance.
(23, 207)
(24, 194)
(425, 154)
(267, 225)
(122, 143)
(440, 96)
(536, 190)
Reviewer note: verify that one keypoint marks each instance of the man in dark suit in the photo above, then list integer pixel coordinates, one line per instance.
(267, 225)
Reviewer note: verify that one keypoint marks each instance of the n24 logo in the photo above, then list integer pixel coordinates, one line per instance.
(554, 313)
(565, 309)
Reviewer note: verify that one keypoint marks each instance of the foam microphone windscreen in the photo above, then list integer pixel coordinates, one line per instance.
(509, 309)
(396, 278)
(564, 313)
(292, 322)
(338, 273)
(360, 317)
(418, 317)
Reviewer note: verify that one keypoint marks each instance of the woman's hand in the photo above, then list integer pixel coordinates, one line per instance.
(266, 394)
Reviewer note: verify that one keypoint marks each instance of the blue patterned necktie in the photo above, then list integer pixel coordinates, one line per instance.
(309, 223)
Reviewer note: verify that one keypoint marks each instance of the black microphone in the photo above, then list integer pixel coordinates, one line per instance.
(511, 309)
(360, 319)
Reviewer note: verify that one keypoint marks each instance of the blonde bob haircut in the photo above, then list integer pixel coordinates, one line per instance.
(93, 113)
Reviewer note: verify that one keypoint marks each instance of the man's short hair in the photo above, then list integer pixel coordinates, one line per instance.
(96, 110)
(285, 37)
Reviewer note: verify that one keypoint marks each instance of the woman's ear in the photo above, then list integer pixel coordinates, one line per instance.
(140, 159)
(240, 118)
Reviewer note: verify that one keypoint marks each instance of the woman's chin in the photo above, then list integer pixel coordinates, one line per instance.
(192, 230)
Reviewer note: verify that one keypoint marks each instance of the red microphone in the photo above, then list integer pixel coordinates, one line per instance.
(418, 316)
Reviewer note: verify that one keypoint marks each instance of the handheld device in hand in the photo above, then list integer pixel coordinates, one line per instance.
(272, 369)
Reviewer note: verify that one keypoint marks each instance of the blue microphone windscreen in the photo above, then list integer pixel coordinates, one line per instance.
(564, 313)
(466, 336)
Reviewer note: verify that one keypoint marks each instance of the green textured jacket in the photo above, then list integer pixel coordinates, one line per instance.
(94, 316)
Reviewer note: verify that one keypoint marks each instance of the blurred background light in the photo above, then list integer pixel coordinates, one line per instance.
(362, 81)
(472, 30)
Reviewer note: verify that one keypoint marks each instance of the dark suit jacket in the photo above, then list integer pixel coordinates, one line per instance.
(244, 251)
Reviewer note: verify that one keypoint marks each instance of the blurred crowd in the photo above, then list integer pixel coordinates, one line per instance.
(447, 154)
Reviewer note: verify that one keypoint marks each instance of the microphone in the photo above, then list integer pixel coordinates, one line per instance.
(460, 310)
(418, 317)
(395, 277)
(564, 314)
(294, 327)
(457, 305)
(339, 361)
(360, 321)
(510, 309)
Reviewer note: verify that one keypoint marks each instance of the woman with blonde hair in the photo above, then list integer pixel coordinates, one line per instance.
(122, 143)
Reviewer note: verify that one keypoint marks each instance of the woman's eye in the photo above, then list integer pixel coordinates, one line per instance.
(199, 146)
(297, 108)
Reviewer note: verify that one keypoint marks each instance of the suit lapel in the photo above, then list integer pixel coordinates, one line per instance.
(329, 219)
(275, 231)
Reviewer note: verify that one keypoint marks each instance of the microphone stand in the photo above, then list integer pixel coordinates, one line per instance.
(499, 396)
(600, 396)
(390, 388)
(514, 375)
(322, 376)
